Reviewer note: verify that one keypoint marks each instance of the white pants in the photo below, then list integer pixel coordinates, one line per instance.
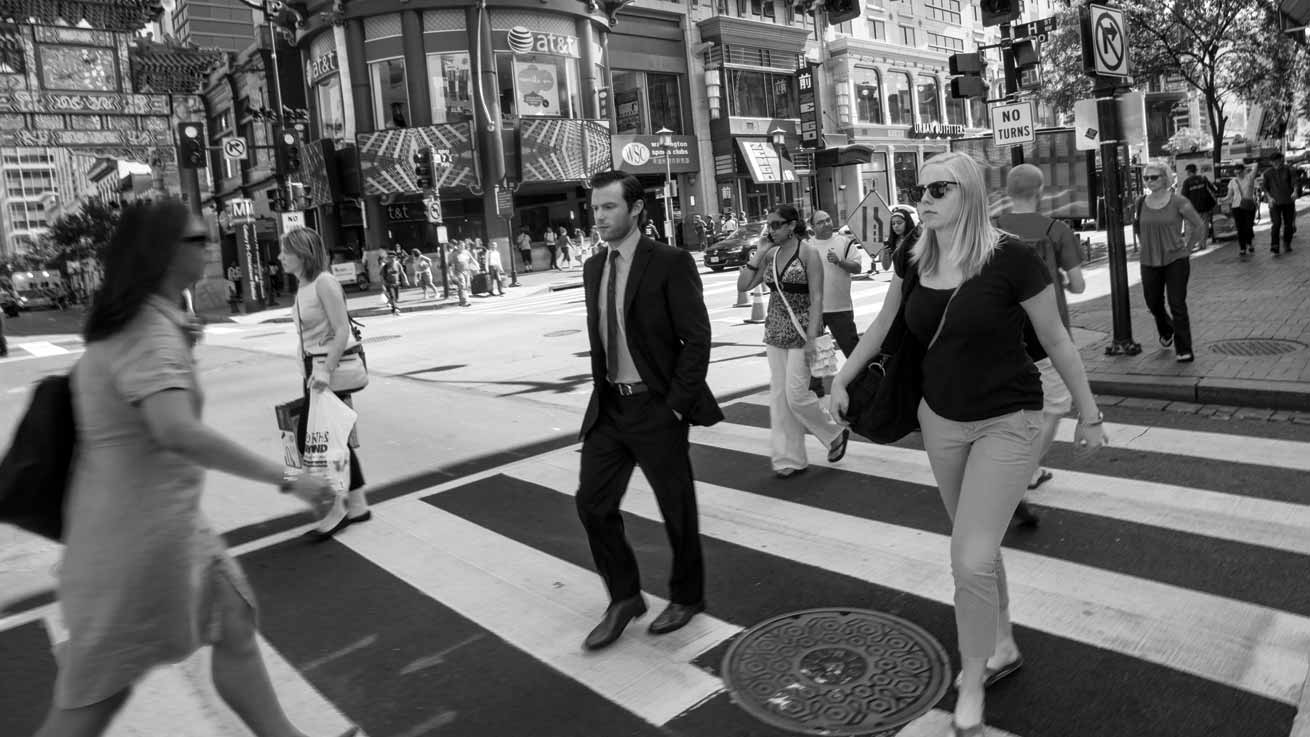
(794, 409)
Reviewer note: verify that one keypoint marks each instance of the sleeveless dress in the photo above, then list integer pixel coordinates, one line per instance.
(795, 288)
(142, 572)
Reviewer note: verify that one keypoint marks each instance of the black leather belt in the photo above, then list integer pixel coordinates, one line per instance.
(627, 390)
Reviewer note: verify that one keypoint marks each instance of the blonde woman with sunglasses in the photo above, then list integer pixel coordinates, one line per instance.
(972, 289)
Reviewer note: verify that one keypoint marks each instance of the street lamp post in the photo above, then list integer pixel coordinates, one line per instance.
(779, 136)
(666, 143)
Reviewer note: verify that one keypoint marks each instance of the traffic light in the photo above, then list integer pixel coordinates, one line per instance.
(996, 12)
(967, 80)
(277, 199)
(840, 11)
(1024, 53)
(191, 146)
(423, 168)
(288, 151)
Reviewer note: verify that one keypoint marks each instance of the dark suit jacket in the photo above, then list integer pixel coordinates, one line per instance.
(668, 330)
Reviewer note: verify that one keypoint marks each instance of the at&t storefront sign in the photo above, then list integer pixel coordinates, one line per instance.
(522, 40)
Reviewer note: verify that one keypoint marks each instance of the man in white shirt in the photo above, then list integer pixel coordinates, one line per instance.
(841, 259)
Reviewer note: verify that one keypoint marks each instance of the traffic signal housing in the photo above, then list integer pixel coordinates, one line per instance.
(423, 168)
(191, 146)
(288, 151)
(996, 12)
(967, 70)
(277, 200)
(840, 11)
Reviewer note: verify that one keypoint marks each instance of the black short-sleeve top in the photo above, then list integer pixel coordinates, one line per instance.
(979, 367)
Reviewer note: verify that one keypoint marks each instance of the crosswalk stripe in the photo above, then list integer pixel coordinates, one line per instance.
(1271, 524)
(42, 349)
(1240, 645)
(1289, 454)
(493, 581)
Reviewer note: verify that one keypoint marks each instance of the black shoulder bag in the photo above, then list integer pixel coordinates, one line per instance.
(883, 399)
(34, 474)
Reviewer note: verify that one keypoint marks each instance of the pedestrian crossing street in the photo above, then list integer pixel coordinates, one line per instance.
(1164, 594)
(720, 293)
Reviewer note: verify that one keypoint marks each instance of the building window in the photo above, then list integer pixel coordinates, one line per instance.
(906, 166)
(449, 84)
(899, 110)
(877, 30)
(868, 96)
(978, 109)
(539, 86)
(665, 101)
(955, 111)
(754, 94)
(947, 11)
(331, 109)
(930, 109)
(944, 44)
(907, 36)
(769, 13)
(390, 96)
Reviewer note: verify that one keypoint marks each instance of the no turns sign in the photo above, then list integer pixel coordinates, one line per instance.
(1013, 124)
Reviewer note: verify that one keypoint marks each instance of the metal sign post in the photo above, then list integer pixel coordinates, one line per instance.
(1105, 57)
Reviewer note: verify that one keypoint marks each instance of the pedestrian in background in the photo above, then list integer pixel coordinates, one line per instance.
(323, 325)
(392, 274)
(1168, 228)
(524, 243)
(234, 276)
(551, 246)
(461, 271)
(1200, 191)
(1279, 183)
(1057, 245)
(495, 285)
(840, 256)
(982, 397)
(566, 248)
(1242, 205)
(650, 353)
(794, 272)
(584, 248)
(423, 273)
(903, 233)
(145, 580)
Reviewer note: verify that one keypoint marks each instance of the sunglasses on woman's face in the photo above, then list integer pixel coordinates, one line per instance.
(938, 190)
(775, 224)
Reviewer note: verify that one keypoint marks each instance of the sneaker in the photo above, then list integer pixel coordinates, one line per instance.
(1166, 341)
(1184, 358)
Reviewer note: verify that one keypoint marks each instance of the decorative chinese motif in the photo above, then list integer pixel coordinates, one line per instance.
(72, 102)
(79, 138)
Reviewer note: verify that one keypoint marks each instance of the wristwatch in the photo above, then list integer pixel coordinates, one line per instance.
(1100, 418)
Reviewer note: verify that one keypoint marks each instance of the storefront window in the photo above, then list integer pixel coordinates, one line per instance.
(755, 94)
(647, 102)
(539, 85)
(390, 97)
(331, 110)
(868, 96)
(899, 110)
(955, 111)
(930, 108)
(906, 166)
(629, 106)
(449, 82)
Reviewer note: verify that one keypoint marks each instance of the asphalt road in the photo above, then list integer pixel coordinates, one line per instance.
(1163, 594)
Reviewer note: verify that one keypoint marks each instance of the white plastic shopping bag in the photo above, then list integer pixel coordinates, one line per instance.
(327, 451)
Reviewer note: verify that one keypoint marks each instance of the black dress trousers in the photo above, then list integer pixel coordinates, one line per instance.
(630, 431)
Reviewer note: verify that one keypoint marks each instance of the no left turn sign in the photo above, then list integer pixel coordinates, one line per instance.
(1109, 41)
(234, 148)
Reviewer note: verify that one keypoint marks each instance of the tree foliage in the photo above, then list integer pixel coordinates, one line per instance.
(83, 233)
(1226, 50)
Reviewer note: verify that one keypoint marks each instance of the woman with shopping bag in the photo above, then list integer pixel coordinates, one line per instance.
(145, 580)
(332, 355)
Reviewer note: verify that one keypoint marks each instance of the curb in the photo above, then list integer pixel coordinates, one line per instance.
(1264, 394)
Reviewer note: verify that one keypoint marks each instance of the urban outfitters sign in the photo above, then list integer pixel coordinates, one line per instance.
(936, 130)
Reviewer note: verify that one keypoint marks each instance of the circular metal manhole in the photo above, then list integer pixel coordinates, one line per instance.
(1247, 347)
(561, 333)
(380, 338)
(836, 672)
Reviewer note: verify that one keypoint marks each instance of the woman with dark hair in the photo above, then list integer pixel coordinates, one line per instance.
(145, 580)
(323, 325)
(794, 272)
(904, 232)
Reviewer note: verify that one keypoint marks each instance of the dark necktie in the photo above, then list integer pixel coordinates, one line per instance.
(612, 317)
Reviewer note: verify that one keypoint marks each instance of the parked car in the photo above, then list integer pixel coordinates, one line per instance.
(35, 289)
(736, 249)
(349, 270)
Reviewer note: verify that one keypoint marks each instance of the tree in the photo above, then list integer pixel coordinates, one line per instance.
(1227, 50)
(1186, 140)
(84, 233)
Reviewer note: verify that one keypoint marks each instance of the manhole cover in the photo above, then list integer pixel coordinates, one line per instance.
(1256, 347)
(561, 333)
(836, 672)
(380, 338)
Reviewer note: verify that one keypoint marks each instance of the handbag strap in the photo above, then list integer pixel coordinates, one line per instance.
(777, 278)
(942, 322)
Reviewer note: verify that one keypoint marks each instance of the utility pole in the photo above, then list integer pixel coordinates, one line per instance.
(1011, 82)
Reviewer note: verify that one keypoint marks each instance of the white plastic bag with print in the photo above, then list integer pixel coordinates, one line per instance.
(327, 451)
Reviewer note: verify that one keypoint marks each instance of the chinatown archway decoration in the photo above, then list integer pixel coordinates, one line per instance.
(125, 16)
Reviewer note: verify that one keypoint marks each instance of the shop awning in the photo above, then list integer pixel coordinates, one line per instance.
(855, 153)
(766, 164)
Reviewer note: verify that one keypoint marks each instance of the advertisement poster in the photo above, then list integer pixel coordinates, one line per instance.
(536, 89)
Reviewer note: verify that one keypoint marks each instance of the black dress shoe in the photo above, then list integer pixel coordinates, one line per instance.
(675, 617)
(613, 623)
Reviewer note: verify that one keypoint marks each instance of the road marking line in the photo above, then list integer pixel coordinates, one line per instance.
(42, 349)
(1240, 645)
(492, 580)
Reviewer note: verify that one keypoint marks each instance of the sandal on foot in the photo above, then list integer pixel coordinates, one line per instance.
(992, 675)
(1042, 478)
(837, 450)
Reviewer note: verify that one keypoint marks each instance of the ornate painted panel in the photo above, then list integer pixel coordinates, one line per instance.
(386, 158)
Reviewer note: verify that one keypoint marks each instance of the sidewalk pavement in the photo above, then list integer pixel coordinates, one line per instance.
(1250, 326)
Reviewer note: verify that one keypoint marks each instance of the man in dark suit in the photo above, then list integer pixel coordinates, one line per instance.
(650, 350)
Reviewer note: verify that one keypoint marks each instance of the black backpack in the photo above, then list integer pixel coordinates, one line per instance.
(34, 473)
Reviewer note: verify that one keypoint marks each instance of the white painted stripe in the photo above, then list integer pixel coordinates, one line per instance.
(15, 356)
(41, 348)
(1258, 451)
(221, 330)
(1271, 524)
(1301, 725)
(1240, 645)
(492, 580)
(937, 723)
